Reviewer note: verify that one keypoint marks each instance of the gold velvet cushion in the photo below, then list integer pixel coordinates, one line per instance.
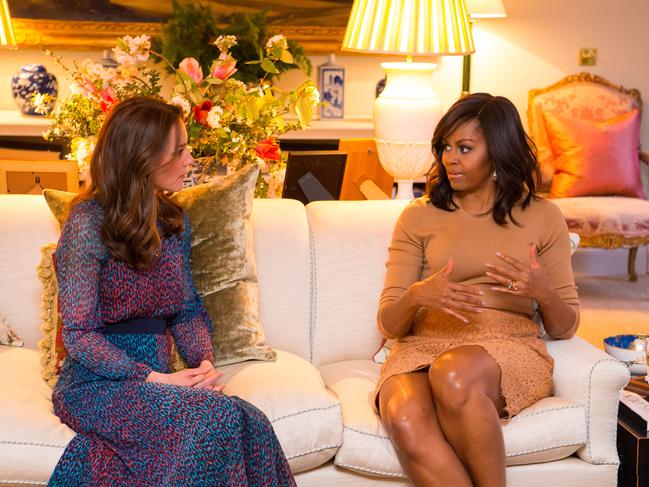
(222, 263)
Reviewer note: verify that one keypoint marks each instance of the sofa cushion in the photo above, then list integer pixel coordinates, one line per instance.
(551, 429)
(27, 225)
(344, 315)
(305, 416)
(8, 335)
(31, 437)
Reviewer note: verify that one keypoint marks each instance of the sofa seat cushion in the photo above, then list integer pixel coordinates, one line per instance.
(32, 438)
(606, 221)
(551, 429)
(306, 417)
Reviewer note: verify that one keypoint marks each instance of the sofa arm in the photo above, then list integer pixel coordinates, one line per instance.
(588, 376)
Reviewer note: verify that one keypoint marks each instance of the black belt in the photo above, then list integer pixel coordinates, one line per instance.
(153, 326)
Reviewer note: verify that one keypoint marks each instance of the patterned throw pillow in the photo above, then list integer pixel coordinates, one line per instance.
(222, 262)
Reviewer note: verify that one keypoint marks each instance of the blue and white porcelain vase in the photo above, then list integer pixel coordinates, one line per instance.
(31, 79)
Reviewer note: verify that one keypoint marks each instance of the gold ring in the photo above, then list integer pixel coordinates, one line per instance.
(512, 286)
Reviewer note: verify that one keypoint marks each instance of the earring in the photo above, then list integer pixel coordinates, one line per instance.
(494, 176)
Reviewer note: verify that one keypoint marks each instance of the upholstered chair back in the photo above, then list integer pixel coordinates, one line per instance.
(584, 96)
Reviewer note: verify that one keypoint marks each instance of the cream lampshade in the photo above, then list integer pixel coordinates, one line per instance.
(407, 111)
(7, 38)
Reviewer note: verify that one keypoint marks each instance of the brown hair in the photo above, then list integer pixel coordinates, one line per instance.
(509, 149)
(129, 150)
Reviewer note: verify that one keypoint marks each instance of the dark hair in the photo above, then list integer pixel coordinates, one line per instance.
(129, 149)
(511, 151)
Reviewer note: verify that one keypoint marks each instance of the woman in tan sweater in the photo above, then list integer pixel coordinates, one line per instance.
(466, 264)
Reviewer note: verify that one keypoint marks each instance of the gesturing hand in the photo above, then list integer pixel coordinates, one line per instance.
(530, 281)
(205, 375)
(436, 291)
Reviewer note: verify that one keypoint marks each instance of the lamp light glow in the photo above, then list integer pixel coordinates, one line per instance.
(485, 9)
(7, 38)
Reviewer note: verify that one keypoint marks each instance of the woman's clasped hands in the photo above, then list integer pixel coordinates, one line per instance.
(203, 376)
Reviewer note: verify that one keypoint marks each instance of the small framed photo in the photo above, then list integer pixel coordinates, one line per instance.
(31, 177)
(332, 91)
(314, 175)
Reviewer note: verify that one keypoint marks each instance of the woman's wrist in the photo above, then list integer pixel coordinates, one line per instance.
(155, 377)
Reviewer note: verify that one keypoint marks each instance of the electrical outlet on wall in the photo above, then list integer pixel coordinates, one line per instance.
(587, 56)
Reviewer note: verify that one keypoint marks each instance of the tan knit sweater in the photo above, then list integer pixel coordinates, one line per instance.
(425, 237)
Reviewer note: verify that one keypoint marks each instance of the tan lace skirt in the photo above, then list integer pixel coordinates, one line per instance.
(513, 342)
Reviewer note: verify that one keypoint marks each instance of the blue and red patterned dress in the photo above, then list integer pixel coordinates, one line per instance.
(132, 432)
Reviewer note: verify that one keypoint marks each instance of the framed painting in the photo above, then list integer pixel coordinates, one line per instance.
(318, 25)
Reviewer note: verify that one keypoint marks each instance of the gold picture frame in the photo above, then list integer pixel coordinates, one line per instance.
(25, 177)
(94, 34)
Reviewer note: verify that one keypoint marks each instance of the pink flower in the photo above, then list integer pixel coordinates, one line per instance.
(108, 98)
(201, 111)
(268, 149)
(191, 68)
(224, 66)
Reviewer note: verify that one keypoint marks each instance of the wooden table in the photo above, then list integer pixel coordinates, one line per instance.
(633, 445)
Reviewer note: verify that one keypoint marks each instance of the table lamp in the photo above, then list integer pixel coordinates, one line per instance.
(407, 111)
(7, 38)
(479, 9)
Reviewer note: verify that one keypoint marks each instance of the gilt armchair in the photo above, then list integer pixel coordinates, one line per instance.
(587, 133)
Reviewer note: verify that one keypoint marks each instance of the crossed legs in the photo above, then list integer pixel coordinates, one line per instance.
(444, 423)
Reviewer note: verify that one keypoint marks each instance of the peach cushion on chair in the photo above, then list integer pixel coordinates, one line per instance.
(595, 158)
(582, 96)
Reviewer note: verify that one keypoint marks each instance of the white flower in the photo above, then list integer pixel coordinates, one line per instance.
(276, 41)
(214, 117)
(81, 152)
(224, 43)
(75, 89)
(181, 102)
(313, 95)
(40, 101)
(132, 50)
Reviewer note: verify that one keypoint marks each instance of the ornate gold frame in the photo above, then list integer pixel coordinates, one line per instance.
(585, 78)
(88, 35)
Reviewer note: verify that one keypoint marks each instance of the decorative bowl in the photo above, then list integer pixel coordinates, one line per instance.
(630, 350)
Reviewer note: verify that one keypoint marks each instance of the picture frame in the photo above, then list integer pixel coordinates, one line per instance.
(314, 175)
(29, 177)
(36, 26)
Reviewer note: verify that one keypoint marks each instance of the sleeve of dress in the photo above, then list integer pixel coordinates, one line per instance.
(554, 255)
(78, 260)
(405, 260)
(191, 327)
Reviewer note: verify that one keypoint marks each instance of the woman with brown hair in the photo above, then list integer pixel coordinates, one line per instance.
(466, 264)
(124, 278)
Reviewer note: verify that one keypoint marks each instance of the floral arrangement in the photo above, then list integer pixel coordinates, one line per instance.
(230, 124)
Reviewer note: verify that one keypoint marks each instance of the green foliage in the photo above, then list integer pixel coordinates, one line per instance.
(192, 29)
(188, 33)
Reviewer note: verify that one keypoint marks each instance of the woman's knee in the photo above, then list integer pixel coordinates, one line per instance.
(458, 378)
(409, 424)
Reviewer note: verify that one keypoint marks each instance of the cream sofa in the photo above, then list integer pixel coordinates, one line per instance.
(321, 271)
